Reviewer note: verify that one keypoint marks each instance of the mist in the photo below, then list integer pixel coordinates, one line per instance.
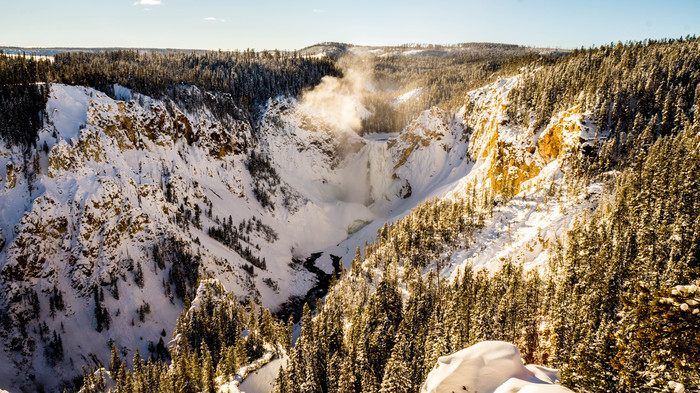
(339, 101)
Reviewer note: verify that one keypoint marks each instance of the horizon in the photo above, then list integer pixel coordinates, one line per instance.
(425, 45)
(274, 24)
(322, 43)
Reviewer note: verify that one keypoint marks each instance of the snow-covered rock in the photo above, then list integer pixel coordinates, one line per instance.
(490, 367)
(406, 97)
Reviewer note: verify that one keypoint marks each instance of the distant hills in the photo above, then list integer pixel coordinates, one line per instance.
(330, 49)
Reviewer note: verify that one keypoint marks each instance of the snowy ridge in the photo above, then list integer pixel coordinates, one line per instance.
(114, 180)
(94, 211)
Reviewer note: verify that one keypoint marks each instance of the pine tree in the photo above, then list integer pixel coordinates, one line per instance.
(311, 382)
(207, 372)
(115, 362)
(397, 374)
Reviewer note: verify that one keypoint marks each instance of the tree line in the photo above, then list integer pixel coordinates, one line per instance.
(248, 77)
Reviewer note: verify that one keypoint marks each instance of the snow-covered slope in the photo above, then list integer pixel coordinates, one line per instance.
(91, 220)
(524, 166)
(407, 97)
(359, 182)
(112, 184)
(493, 157)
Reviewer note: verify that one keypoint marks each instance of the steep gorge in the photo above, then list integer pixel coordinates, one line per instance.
(108, 225)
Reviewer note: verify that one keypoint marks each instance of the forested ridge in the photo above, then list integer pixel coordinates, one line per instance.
(249, 78)
(208, 347)
(441, 80)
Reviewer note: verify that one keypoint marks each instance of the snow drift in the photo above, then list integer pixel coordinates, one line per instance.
(490, 367)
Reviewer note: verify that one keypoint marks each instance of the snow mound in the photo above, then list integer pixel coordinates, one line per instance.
(490, 367)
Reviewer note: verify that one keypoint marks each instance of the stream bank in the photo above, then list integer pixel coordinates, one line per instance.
(294, 306)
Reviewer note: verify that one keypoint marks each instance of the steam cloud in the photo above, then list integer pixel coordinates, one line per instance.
(338, 101)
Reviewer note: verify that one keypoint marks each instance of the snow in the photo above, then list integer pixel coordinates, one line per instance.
(412, 52)
(524, 231)
(490, 367)
(67, 107)
(122, 93)
(408, 96)
(35, 57)
(262, 373)
(262, 380)
(676, 386)
(6, 373)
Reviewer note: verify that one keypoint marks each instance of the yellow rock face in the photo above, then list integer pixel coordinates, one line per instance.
(511, 162)
(510, 169)
(11, 177)
(514, 155)
(560, 137)
(486, 132)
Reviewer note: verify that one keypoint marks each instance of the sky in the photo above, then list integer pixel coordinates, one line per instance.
(294, 24)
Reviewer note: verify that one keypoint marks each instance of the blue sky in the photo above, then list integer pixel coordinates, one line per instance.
(290, 24)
